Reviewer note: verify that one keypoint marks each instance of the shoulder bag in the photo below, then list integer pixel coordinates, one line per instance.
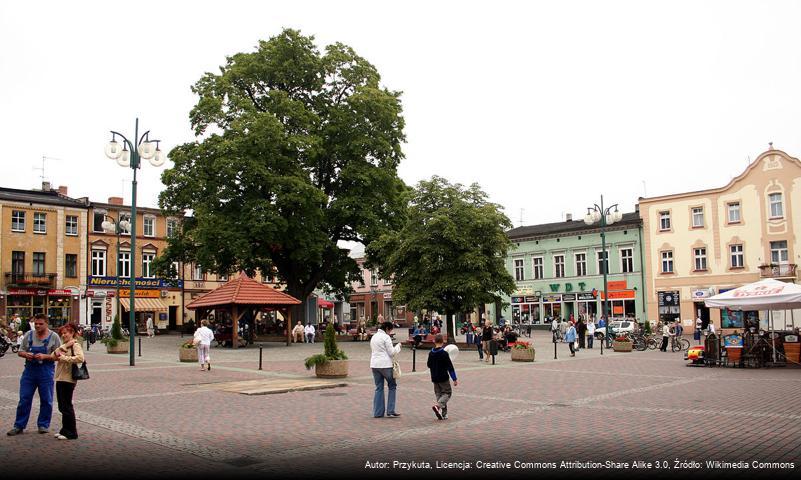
(79, 372)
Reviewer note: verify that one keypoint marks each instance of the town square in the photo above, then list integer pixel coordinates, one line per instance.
(400, 239)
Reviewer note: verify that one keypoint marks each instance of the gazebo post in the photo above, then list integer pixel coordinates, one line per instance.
(288, 324)
(235, 330)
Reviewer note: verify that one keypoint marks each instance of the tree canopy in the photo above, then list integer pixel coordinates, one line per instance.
(450, 253)
(296, 151)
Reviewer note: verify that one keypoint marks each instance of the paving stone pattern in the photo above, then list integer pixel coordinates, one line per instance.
(166, 418)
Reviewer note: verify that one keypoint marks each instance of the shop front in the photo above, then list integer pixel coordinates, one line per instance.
(60, 305)
(700, 310)
(526, 310)
(669, 305)
(158, 298)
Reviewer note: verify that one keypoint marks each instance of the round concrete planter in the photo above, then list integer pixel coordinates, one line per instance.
(187, 354)
(121, 347)
(332, 369)
(522, 354)
(622, 346)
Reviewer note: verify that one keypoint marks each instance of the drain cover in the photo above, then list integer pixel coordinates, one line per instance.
(241, 461)
(333, 394)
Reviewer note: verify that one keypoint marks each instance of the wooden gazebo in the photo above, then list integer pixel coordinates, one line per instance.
(243, 295)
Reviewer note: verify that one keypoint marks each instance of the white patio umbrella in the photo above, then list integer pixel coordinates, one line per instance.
(767, 294)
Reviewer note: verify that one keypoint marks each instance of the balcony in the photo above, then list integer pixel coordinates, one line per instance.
(23, 280)
(786, 270)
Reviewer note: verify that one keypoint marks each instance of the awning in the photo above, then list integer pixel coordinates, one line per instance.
(323, 303)
(145, 304)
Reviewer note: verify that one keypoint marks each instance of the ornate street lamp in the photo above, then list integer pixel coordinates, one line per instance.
(113, 225)
(128, 154)
(604, 216)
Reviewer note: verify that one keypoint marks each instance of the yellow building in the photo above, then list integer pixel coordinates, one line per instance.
(42, 253)
(160, 298)
(699, 244)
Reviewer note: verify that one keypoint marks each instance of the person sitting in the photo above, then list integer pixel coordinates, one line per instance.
(510, 336)
(417, 335)
(435, 329)
(361, 332)
(297, 333)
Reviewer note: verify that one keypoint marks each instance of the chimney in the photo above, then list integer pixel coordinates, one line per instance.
(45, 186)
(115, 200)
(62, 190)
(568, 217)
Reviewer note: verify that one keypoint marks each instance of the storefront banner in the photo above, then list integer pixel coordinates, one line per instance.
(569, 297)
(27, 291)
(152, 283)
(586, 296)
(620, 295)
(141, 293)
(518, 299)
(616, 285)
(59, 292)
(532, 299)
(552, 298)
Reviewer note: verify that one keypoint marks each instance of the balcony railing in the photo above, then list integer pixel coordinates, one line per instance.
(786, 270)
(30, 279)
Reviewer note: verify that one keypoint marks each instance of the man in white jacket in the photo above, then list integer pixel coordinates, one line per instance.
(381, 363)
(309, 331)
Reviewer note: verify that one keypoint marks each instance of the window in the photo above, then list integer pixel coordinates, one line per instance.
(519, 270)
(39, 222)
(778, 252)
(223, 277)
(387, 281)
(667, 262)
(176, 270)
(373, 278)
(734, 212)
(776, 207)
(98, 263)
(736, 256)
(197, 272)
(626, 260)
(558, 266)
(72, 225)
(124, 265)
(698, 217)
(664, 221)
(17, 221)
(18, 263)
(172, 227)
(38, 264)
(700, 258)
(71, 266)
(149, 226)
(147, 260)
(581, 264)
(97, 221)
(538, 270)
(603, 262)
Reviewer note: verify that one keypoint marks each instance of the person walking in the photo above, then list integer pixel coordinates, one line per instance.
(382, 353)
(590, 332)
(67, 355)
(441, 367)
(698, 327)
(570, 338)
(581, 331)
(665, 337)
(477, 341)
(204, 337)
(149, 326)
(37, 349)
(486, 338)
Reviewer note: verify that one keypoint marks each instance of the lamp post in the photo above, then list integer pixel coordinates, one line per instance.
(605, 216)
(114, 226)
(129, 154)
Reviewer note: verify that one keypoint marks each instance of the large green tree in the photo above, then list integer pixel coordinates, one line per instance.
(297, 150)
(450, 254)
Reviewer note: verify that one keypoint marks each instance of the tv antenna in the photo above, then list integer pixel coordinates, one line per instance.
(42, 168)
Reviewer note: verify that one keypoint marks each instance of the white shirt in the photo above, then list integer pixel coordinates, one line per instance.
(590, 328)
(383, 351)
(665, 331)
(204, 335)
(149, 323)
(309, 329)
(711, 327)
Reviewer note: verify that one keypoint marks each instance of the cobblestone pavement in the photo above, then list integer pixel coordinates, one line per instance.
(160, 419)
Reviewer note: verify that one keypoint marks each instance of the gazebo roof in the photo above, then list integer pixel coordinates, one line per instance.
(243, 291)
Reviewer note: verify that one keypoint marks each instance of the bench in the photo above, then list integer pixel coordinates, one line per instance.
(427, 341)
(370, 332)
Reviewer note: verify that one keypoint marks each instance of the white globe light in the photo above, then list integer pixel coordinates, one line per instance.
(108, 226)
(596, 216)
(125, 225)
(158, 159)
(618, 216)
(147, 150)
(610, 218)
(124, 160)
(588, 219)
(113, 150)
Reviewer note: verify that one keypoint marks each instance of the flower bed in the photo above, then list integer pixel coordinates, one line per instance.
(622, 345)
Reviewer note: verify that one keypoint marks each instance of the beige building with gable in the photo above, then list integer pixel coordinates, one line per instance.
(699, 244)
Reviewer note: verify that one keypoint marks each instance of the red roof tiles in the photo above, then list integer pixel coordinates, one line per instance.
(243, 291)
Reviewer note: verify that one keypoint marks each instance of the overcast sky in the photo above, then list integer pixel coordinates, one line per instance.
(547, 105)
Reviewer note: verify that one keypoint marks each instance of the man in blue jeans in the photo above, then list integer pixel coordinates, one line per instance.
(37, 349)
(382, 353)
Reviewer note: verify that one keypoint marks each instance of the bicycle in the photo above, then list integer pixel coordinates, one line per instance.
(679, 344)
(522, 330)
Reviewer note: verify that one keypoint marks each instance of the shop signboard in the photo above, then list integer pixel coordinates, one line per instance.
(141, 294)
(27, 291)
(669, 298)
(701, 293)
(569, 297)
(619, 295)
(551, 298)
(532, 299)
(518, 299)
(616, 285)
(586, 296)
(141, 282)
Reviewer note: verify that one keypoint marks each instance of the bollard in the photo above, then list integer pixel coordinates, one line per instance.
(603, 340)
(140, 346)
(414, 358)
(554, 345)
(260, 348)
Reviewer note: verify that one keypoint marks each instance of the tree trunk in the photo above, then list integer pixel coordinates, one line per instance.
(450, 328)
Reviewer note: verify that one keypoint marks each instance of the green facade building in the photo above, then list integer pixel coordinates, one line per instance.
(557, 268)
